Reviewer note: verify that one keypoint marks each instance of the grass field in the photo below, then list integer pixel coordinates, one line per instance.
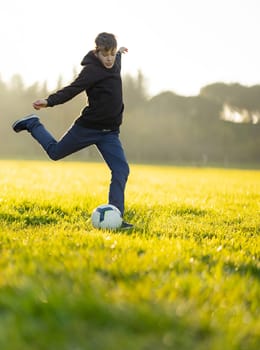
(187, 277)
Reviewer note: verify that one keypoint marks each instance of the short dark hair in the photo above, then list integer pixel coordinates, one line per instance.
(105, 41)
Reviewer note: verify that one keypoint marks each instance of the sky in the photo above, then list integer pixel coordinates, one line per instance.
(178, 45)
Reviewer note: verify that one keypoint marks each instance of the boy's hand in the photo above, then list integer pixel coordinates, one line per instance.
(42, 103)
(123, 49)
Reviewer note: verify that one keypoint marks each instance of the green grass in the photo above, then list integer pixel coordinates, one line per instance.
(187, 277)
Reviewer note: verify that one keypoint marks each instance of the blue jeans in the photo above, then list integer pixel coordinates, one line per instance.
(77, 138)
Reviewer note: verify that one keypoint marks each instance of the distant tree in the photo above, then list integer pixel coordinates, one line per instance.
(134, 90)
(217, 92)
(16, 85)
(236, 99)
(43, 91)
(59, 84)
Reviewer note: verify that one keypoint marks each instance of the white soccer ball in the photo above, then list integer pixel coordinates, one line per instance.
(106, 216)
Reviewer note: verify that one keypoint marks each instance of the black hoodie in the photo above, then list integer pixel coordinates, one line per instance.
(103, 87)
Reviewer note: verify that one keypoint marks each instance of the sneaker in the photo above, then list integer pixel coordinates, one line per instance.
(126, 226)
(22, 124)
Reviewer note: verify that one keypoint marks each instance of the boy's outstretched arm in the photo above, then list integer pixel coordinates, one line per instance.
(42, 103)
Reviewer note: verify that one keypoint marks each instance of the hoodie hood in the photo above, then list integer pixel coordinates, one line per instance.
(90, 58)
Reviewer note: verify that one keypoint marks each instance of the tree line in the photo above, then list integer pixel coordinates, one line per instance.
(219, 125)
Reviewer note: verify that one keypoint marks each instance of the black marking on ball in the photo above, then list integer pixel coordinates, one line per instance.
(102, 212)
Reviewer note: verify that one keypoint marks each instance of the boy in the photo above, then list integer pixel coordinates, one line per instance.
(98, 123)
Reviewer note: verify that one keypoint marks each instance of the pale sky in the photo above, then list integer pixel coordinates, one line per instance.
(179, 45)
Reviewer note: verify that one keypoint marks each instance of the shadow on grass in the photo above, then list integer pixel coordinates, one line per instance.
(33, 214)
(243, 270)
(27, 220)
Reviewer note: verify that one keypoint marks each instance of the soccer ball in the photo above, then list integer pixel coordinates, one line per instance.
(106, 216)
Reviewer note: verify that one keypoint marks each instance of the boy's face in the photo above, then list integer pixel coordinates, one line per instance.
(107, 58)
